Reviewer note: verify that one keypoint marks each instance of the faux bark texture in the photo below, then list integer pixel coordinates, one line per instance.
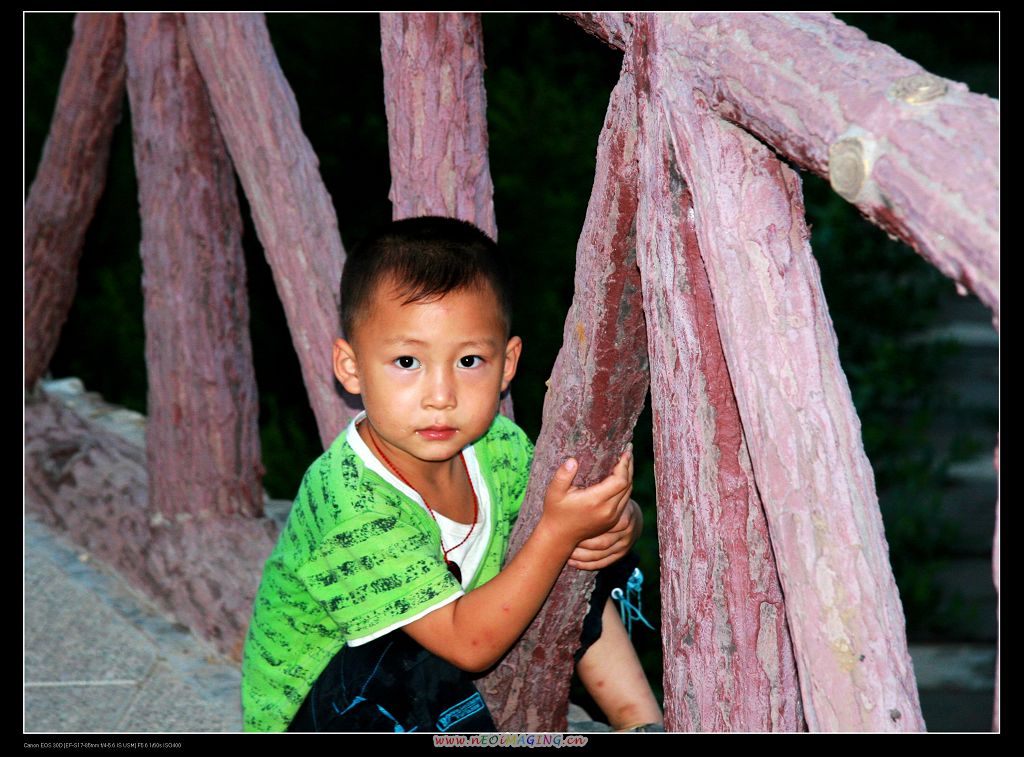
(917, 154)
(437, 117)
(798, 417)
(292, 211)
(69, 181)
(437, 120)
(728, 662)
(595, 394)
(202, 437)
(89, 482)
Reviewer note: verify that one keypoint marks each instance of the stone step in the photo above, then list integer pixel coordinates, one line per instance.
(973, 333)
(971, 381)
(970, 503)
(956, 683)
(971, 373)
(969, 599)
(964, 426)
(953, 307)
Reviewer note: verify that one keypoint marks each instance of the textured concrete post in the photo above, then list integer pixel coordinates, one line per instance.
(202, 437)
(728, 661)
(69, 181)
(595, 394)
(295, 220)
(437, 117)
(798, 417)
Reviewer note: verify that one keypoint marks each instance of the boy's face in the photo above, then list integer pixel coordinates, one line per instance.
(430, 373)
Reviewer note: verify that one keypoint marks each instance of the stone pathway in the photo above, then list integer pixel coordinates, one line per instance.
(100, 658)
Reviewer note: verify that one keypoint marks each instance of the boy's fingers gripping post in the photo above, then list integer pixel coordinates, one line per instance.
(618, 486)
(627, 492)
(584, 512)
(623, 472)
(561, 482)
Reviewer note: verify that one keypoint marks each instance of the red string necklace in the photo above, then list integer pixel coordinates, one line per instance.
(452, 565)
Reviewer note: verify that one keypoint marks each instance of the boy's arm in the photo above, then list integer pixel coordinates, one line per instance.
(474, 631)
(611, 546)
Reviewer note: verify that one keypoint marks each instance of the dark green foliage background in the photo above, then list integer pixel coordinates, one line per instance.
(547, 86)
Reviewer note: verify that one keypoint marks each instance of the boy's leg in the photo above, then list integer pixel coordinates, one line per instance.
(611, 673)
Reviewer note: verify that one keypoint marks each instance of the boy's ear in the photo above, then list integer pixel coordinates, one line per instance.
(345, 367)
(512, 351)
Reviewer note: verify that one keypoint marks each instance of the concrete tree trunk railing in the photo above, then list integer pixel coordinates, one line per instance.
(194, 543)
(437, 117)
(728, 662)
(861, 142)
(69, 181)
(202, 442)
(595, 394)
(798, 417)
(90, 483)
(187, 532)
(915, 153)
(291, 209)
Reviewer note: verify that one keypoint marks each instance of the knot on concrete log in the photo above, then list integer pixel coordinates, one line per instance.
(847, 167)
(919, 88)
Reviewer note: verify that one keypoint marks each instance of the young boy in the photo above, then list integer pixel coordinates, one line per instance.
(385, 590)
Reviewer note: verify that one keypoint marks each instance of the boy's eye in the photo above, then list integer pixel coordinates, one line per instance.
(471, 361)
(407, 361)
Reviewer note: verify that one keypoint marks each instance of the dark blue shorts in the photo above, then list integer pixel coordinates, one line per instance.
(393, 684)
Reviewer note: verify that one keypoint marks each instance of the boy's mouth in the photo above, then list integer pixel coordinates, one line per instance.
(437, 433)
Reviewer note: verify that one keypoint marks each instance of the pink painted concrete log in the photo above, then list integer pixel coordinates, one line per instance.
(202, 440)
(69, 181)
(437, 120)
(798, 417)
(90, 482)
(296, 223)
(728, 661)
(614, 29)
(915, 153)
(595, 394)
(437, 117)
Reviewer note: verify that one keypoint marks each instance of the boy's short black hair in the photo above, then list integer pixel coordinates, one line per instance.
(426, 257)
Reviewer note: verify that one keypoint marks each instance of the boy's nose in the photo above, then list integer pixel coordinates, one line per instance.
(440, 390)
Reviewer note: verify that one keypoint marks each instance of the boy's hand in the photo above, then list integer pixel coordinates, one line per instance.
(576, 513)
(603, 550)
